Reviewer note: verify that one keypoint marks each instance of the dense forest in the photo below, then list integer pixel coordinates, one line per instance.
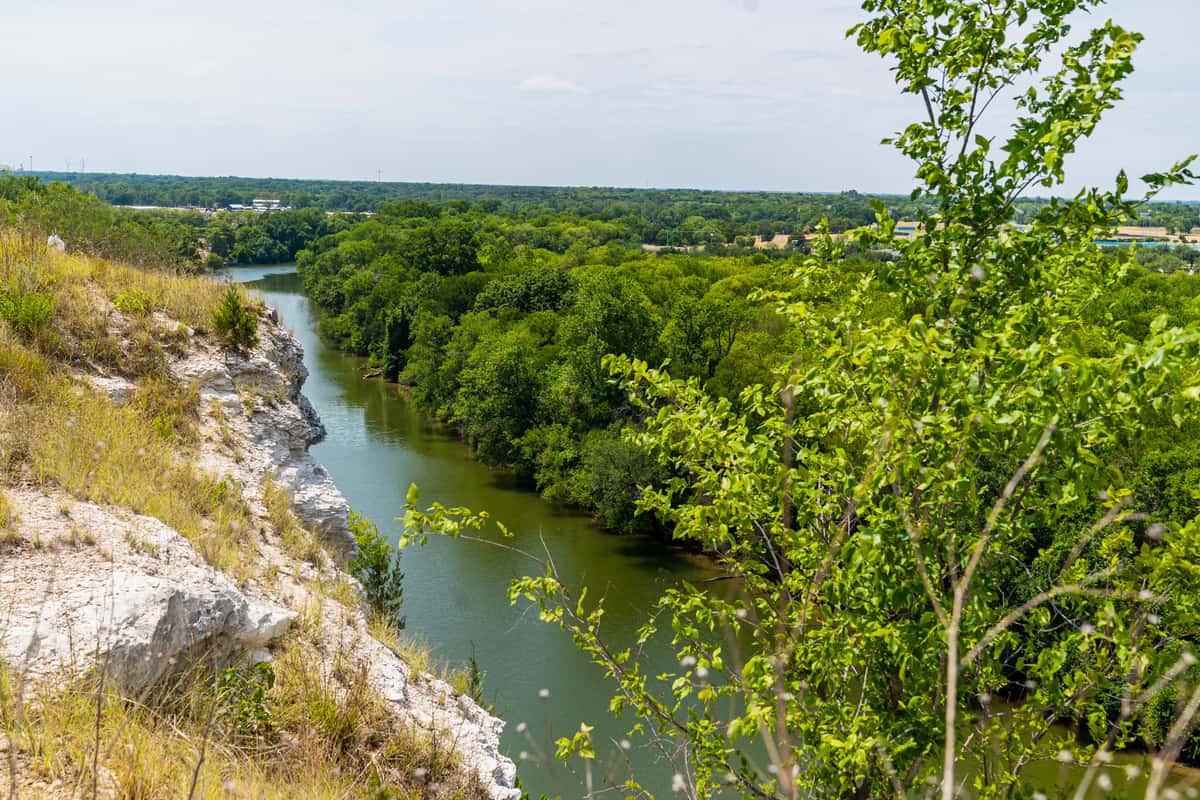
(500, 327)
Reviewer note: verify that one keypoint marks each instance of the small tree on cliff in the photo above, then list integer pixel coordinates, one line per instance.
(918, 512)
(235, 322)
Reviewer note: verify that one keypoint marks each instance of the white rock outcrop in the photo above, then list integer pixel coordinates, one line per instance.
(126, 587)
(272, 423)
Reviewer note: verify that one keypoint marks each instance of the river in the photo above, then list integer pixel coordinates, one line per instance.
(455, 593)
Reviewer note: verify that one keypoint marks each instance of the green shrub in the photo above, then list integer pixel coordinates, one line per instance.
(235, 322)
(133, 301)
(377, 567)
(243, 698)
(26, 312)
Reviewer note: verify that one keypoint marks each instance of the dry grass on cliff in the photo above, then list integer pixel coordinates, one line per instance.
(29, 264)
(297, 541)
(57, 432)
(320, 732)
(81, 442)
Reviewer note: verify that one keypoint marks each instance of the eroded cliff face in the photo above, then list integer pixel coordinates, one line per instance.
(99, 585)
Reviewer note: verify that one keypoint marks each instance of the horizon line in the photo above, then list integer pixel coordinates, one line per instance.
(368, 182)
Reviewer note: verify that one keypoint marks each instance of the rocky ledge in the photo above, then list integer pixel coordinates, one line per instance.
(104, 586)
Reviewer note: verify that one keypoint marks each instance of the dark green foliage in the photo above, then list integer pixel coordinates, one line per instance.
(377, 568)
(235, 322)
(242, 699)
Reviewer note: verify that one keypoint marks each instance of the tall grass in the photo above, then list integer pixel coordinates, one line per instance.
(321, 732)
(56, 432)
(187, 299)
(297, 540)
(78, 440)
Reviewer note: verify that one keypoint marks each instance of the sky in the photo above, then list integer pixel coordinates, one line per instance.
(722, 94)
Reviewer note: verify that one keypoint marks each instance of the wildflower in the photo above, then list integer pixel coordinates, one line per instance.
(625, 744)
(677, 783)
(1156, 531)
(1087, 629)
(978, 272)
(741, 613)
(543, 693)
(1132, 771)
(1104, 782)
(521, 727)
(1065, 756)
(701, 672)
(523, 755)
(687, 662)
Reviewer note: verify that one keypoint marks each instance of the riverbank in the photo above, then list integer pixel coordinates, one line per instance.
(166, 533)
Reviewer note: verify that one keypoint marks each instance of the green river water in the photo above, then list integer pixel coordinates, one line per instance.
(455, 592)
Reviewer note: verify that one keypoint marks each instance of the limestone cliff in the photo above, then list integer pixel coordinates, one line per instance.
(96, 585)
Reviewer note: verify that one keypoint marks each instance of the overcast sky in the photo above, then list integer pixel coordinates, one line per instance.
(727, 94)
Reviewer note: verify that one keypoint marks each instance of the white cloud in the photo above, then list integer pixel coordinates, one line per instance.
(549, 83)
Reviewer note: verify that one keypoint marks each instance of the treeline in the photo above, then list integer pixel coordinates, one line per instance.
(500, 328)
(668, 217)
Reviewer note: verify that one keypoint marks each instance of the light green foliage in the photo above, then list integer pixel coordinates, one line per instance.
(27, 312)
(235, 322)
(927, 512)
(133, 301)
